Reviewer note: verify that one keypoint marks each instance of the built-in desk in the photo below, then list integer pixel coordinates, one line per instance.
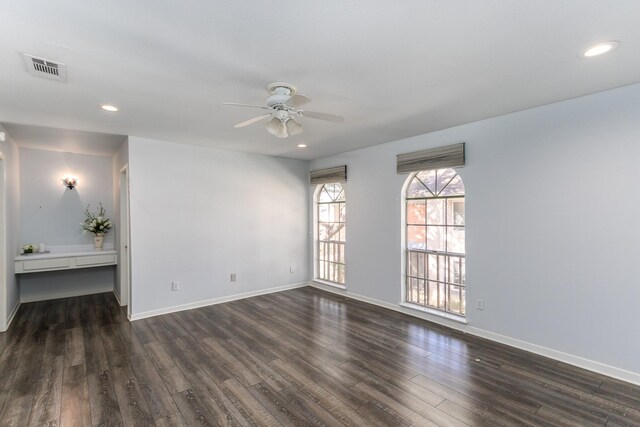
(65, 258)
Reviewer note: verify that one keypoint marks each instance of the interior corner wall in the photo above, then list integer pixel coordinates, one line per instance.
(11, 293)
(200, 214)
(51, 214)
(120, 159)
(552, 231)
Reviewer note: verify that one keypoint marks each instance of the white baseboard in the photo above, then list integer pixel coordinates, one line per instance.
(64, 294)
(11, 316)
(580, 362)
(115, 294)
(204, 303)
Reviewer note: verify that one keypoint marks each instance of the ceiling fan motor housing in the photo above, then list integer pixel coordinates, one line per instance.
(277, 99)
(280, 93)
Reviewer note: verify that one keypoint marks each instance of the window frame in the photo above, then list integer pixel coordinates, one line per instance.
(447, 255)
(318, 277)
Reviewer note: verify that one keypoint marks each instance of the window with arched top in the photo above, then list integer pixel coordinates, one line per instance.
(435, 241)
(330, 232)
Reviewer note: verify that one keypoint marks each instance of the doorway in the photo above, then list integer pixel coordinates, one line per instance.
(124, 239)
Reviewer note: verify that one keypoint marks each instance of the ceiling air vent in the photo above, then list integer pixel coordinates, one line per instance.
(46, 68)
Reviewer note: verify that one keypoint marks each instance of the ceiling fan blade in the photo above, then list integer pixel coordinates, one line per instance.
(235, 104)
(298, 99)
(251, 121)
(322, 116)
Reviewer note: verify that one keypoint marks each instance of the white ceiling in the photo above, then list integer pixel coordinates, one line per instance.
(392, 69)
(63, 140)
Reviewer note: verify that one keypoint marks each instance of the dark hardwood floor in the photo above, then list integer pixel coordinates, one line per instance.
(300, 357)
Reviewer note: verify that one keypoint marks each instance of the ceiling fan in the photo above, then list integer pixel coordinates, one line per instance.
(282, 106)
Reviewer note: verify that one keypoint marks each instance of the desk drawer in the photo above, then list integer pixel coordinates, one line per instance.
(45, 264)
(86, 261)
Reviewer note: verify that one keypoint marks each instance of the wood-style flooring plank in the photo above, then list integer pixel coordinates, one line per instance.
(29, 366)
(166, 367)
(273, 402)
(323, 397)
(251, 409)
(196, 411)
(75, 347)
(318, 375)
(75, 409)
(73, 318)
(16, 411)
(133, 406)
(411, 408)
(48, 395)
(218, 351)
(221, 402)
(158, 398)
(175, 420)
(103, 402)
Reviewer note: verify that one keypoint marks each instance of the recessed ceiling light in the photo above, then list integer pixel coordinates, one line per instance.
(111, 108)
(302, 145)
(600, 48)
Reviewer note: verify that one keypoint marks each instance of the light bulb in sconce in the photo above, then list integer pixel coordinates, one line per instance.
(70, 182)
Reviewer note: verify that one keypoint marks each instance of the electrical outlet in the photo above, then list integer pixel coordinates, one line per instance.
(292, 269)
(175, 286)
(233, 277)
(480, 304)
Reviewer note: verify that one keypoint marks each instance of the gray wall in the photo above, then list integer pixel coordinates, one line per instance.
(11, 294)
(52, 214)
(552, 227)
(199, 214)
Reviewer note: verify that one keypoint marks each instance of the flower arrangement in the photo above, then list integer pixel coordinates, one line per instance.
(96, 224)
(28, 248)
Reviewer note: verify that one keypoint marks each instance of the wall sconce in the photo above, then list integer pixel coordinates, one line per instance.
(70, 182)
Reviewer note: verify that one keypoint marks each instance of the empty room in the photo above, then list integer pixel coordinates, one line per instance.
(416, 213)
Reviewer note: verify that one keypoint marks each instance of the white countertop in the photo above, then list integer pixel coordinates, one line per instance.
(69, 251)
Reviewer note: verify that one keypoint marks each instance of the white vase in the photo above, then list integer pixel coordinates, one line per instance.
(98, 240)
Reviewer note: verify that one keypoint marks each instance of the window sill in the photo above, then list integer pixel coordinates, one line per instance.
(438, 313)
(332, 284)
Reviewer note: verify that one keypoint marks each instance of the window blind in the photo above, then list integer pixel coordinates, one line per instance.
(450, 156)
(323, 176)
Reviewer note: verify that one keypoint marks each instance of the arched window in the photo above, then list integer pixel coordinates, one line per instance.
(435, 241)
(331, 228)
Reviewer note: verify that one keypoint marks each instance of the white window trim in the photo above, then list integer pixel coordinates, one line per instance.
(435, 312)
(327, 283)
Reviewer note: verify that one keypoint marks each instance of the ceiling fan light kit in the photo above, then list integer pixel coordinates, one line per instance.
(277, 128)
(282, 103)
(283, 128)
(293, 127)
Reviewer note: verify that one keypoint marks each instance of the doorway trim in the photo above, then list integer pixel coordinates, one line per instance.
(3, 244)
(125, 239)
